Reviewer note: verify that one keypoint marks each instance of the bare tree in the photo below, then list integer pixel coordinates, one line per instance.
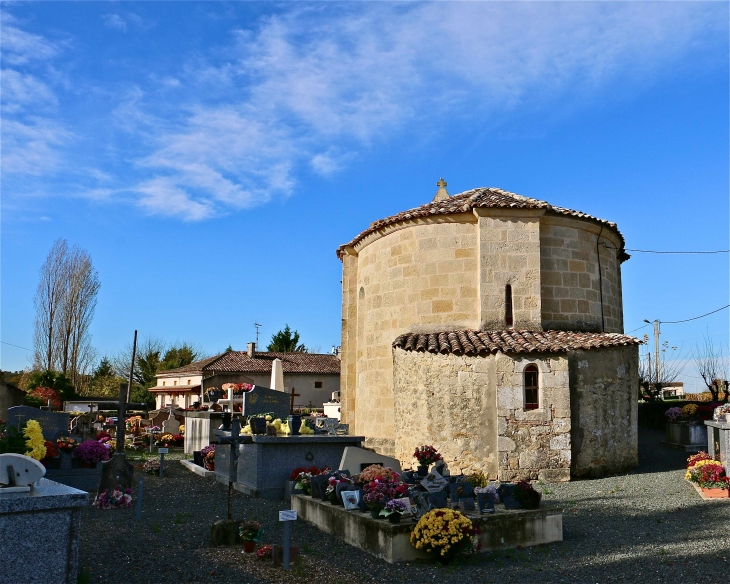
(48, 302)
(65, 305)
(713, 368)
(652, 378)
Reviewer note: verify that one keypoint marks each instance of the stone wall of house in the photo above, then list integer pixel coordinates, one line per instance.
(570, 283)
(603, 395)
(348, 351)
(448, 401)
(423, 278)
(509, 253)
(533, 444)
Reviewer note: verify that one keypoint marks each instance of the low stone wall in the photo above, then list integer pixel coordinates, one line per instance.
(503, 529)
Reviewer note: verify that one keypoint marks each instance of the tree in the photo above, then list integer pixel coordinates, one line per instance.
(54, 380)
(105, 382)
(652, 378)
(179, 357)
(286, 341)
(65, 302)
(713, 368)
(152, 357)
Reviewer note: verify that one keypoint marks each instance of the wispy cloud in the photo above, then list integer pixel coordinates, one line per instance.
(114, 21)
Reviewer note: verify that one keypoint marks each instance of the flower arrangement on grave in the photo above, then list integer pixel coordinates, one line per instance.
(208, 454)
(34, 440)
(178, 439)
(266, 551)
(331, 490)
(114, 499)
(152, 466)
(427, 455)
(527, 496)
(486, 490)
(377, 493)
(250, 531)
(303, 477)
(706, 472)
(689, 410)
(378, 472)
(51, 449)
(11, 440)
(395, 507)
(673, 414)
(155, 429)
(66, 444)
(444, 533)
(91, 452)
(237, 388)
(695, 458)
(100, 436)
(166, 438)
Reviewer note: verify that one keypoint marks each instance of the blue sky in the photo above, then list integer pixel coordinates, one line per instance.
(212, 156)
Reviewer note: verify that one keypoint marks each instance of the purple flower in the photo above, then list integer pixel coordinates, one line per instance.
(91, 452)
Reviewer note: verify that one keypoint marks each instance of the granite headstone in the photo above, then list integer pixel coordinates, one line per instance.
(262, 400)
(53, 424)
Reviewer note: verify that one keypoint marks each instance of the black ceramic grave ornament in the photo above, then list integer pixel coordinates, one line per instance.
(437, 500)
(461, 490)
(295, 423)
(485, 501)
(319, 484)
(342, 487)
(506, 492)
(258, 425)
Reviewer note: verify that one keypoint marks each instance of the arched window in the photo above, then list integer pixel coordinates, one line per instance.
(531, 388)
(509, 321)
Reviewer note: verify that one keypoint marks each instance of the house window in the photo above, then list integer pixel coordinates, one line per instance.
(174, 382)
(531, 388)
(188, 382)
(317, 385)
(508, 319)
(164, 383)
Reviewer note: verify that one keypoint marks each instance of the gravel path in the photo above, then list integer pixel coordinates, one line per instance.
(647, 526)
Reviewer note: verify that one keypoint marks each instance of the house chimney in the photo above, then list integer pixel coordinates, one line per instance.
(251, 350)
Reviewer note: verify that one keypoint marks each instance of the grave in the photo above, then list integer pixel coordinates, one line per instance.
(356, 459)
(40, 533)
(264, 465)
(391, 542)
(718, 442)
(53, 424)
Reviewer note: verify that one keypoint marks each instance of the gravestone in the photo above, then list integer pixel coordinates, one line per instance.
(319, 484)
(171, 426)
(434, 482)
(261, 400)
(53, 424)
(461, 490)
(355, 460)
(436, 500)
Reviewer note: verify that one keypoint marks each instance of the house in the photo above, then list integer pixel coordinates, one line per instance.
(311, 377)
(490, 325)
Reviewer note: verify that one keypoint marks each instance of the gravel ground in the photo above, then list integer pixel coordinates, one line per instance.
(647, 526)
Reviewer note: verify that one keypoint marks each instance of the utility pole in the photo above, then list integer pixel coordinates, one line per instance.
(657, 364)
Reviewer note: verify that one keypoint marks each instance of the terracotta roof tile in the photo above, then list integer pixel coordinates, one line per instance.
(468, 342)
(467, 201)
(240, 362)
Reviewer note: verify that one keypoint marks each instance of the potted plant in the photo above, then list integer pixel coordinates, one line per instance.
(426, 456)
(527, 496)
(213, 394)
(443, 533)
(708, 475)
(91, 452)
(250, 532)
(394, 510)
(258, 422)
(331, 490)
(208, 454)
(152, 466)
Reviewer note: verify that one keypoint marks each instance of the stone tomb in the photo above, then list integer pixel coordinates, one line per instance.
(718, 442)
(391, 542)
(39, 534)
(264, 465)
(53, 424)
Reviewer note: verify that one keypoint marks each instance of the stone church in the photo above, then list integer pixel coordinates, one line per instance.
(490, 325)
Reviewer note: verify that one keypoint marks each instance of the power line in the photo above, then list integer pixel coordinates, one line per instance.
(694, 318)
(19, 347)
(636, 329)
(682, 252)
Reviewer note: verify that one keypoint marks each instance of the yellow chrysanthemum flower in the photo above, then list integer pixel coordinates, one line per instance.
(34, 440)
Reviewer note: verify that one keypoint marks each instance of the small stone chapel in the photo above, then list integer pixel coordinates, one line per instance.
(490, 325)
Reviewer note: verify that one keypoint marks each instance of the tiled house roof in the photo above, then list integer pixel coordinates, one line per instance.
(466, 342)
(476, 198)
(240, 362)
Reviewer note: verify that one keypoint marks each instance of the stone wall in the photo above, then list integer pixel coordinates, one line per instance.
(423, 277)
(603, 394)
(509, 253)
(533, 444)
(448, 401)
(570, 284)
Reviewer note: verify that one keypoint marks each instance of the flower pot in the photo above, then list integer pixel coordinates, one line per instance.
(394, 518)
(295, 423)
(215, 395)
(716, 493)
(375, 513)
(249, 547)
(422, 471)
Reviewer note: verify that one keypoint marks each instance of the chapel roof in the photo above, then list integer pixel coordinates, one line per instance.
(485, 197)
(240, 362)
(470, 342)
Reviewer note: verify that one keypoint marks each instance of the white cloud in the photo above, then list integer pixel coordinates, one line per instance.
(20, 47)
(31, 147)
(114, 21)
(312, 83)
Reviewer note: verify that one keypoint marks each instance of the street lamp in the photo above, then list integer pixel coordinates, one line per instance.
(656, 348)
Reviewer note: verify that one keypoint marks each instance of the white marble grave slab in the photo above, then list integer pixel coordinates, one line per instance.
(353, 458)
(27, 470)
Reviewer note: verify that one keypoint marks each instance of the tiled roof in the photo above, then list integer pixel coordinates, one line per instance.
(465, 342)
(476, 198)
(192, 368)
(175, 388)
(239, 361)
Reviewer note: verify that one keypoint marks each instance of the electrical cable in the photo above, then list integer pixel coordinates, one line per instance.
(19, 347)
(682, 252)
(694, 318)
